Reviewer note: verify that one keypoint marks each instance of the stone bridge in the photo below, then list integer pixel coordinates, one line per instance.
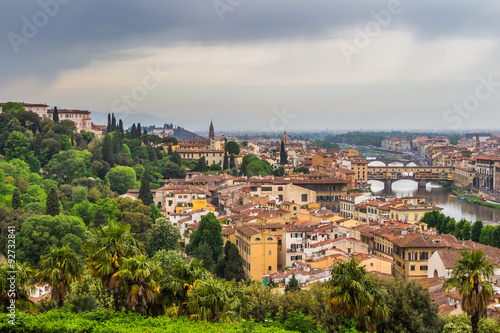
(420, 174)
(389, 161)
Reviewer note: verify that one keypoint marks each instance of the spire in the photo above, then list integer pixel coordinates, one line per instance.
(211, 132)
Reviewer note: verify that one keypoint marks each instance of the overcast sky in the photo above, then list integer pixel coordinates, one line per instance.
(259, 64)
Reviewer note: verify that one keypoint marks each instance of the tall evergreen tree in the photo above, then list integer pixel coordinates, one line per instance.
(231, 267)
(210, 231)
(225, 164)
(476, 230)
(117, 142)
(176, 158)
(55, 115)
(16, 199)
(120, 127)
(52, 204)
(292, 285)
(107, 150)
(283, 154)
(170, 150)
(139, 131)
(204, 253)
(145, 132)
(109, 124)
(99, 218)
(113, 122)
(145, 192)
(232, 162)
(133, 131)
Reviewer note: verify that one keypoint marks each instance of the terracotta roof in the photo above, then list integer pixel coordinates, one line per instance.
(247, 230)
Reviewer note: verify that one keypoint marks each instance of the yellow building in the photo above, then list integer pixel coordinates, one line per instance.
(412, 253)
(259, 251)
(360, 167)
(410, 214)
(350, 152)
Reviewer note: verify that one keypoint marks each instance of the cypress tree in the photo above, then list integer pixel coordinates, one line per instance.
(145, 192)
(113, 122)
(233, 263)
(117, 142)
(283, 154)
(55, 115)
(176, 158)
(225, 164)
(169, 150)
(99, 218)
(133, 131)
(109, 124)
(107, 150)
(139, 131)
(145, 132)
(292, 285)
(16, 200)
(120, 127)
(52, 205)
(232, 162)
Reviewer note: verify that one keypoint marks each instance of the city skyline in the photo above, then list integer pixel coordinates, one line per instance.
(257, 66)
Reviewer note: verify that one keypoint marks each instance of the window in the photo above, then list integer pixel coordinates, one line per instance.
(270, 252)
(412, 267)
(280, 188)
(424, 268)
(267, 189)
(424, 255)
(269, 268)
(257, 239)
(304, 197)
(416, 217)
(269, 239)
(371, 264)
(279, 242)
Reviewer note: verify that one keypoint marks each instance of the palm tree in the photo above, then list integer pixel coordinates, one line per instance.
(139, 276)
(470, 278)
(213, 300)
(59, 268)
(24, 274)
(355, 294)
(181, 280)
(106, 248)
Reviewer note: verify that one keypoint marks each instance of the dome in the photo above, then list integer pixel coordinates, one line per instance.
(285, 138)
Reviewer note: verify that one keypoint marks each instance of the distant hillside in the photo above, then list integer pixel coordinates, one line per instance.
(181, 133)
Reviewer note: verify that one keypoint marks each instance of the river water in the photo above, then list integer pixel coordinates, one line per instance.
(440, 197)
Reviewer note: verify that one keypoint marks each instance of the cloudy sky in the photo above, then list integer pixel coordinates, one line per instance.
(259, 64)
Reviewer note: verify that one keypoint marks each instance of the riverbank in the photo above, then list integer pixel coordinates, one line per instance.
(466, 193)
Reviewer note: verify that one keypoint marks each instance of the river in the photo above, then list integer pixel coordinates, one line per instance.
(441, 197)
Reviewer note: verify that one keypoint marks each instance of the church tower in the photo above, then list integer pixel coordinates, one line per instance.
(211, 135)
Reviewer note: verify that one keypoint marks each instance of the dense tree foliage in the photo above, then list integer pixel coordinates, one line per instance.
(163, 236)
(209, 231)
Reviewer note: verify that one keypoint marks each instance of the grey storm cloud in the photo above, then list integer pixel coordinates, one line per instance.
(83, 30)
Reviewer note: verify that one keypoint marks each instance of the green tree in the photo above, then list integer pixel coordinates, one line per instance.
(466, 231)
(145, 192)
(412, 309)
(215, 300)
(16, 146)
(176, 158)
(210, 231)
(470, 277)
(171, 170)
(59, 268)
(16, 200)
(121, 179)
(201, 165)
(52, 205)
(168, 259)
(99, 219)
(39, 232)
(225, 164)
(136, 214)
(139, 277)
(68, 165)
(117, 142)
(22, 287)
(175, 286)
(495, 237)
(163, 236)
(279, 171)
(84, 210)
(301, 170)
(283, 154)
(231, 266)
(215, 167)
(355, 294)
(106, 248)
(13, 108)
(232, 148)
(204, 253)
(55, 115)
(292, 284)
(476, 230)
(486, 235)
(107, 150)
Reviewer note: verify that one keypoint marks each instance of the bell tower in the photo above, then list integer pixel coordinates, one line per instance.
(211, 135)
